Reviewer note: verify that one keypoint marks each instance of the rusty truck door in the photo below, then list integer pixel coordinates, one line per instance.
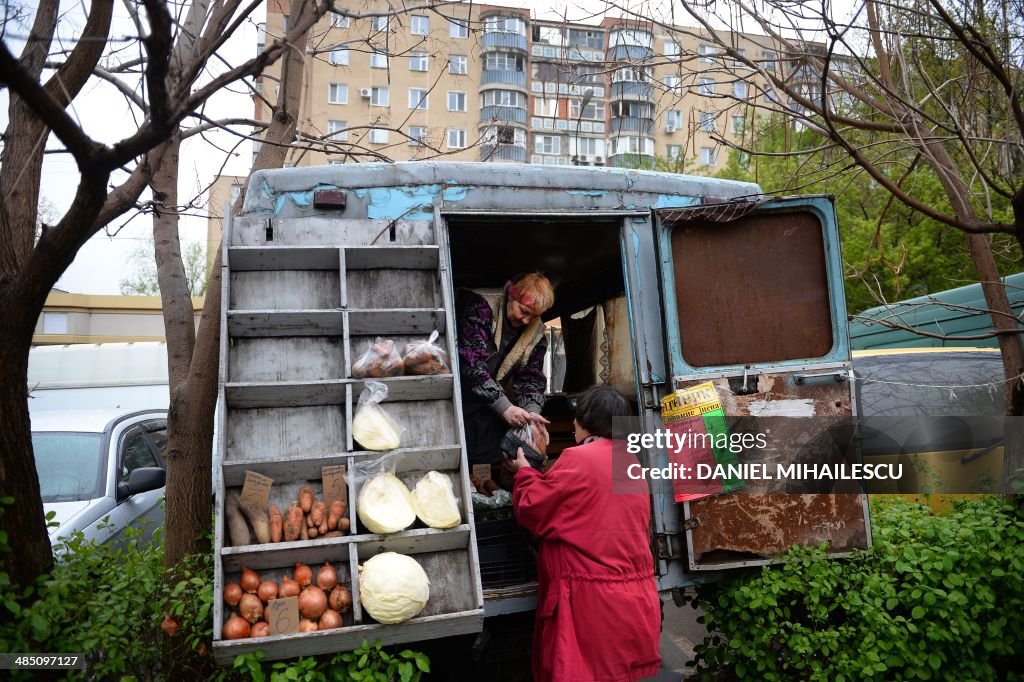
(753, 302)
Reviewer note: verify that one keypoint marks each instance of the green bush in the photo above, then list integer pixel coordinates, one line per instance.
(937, 597)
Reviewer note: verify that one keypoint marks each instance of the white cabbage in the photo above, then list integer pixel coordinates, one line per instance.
(393, 587)
(385, 505)
(435, 502)
(374, 429)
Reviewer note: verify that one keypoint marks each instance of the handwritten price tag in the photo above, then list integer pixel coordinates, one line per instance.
(482, 471)
(283, 615)
(256, 489)
(335, 487)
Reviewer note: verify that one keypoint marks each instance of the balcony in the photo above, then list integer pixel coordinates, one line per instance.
(503, 40)
(632, 90)
(503, 152)
(632, 160)
(632, 124)
(629, 53)
(513, 78)
(496, 112)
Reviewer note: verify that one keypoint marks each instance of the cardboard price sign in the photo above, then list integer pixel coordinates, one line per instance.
(256, 489)
(482, 471)
(335, 487)
(283, 615)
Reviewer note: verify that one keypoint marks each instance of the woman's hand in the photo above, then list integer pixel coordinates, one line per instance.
(516, 416)
(520, 462)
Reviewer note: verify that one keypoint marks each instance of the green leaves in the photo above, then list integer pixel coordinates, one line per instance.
(939, 596)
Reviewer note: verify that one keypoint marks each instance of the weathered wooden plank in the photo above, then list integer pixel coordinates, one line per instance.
(285, 393)
(285, 290)
(420, 542)
(349, 638)
(427, 387)
(392, 289)
(285, 323)
(306, 468)
(330, 231)
(425, 423)
(396, 321)
(404, 257)
(280, 557)
(284, 258)
(284, 358)
(284, 432)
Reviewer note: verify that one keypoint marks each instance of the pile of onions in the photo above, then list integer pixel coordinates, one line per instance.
(321, 601)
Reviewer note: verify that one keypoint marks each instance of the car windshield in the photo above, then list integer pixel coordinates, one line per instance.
(70, 465)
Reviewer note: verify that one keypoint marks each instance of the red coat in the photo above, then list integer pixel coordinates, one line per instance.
(598, 612)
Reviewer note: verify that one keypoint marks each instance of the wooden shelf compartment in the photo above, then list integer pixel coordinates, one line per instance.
(249, 258)
(283, 433)
(390, 257)
(392, 321)
(285, 393)
(319, 322)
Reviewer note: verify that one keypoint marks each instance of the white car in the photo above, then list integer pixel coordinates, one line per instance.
(101, 471)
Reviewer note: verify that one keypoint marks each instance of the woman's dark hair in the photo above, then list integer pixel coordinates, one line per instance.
(596, 406)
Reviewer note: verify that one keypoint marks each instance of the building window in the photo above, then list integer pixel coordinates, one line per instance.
(707, 54)
(545, 107)
(674, 152)
(236, 191)
(738, 125)
(380, 97)
(336, 130)
(768, 58)
(706, 86)
(458, 64)
(417, 98)
(456, 102)
(673, 120)
(503, 61)
(418, 61)
(503, 98)
(707, 122)
(379, 23)
(547, 144)
(707, 156)
(378, 60)
(634, 145)
(337, 93)
(417, 136)
(586, 38)
(674, 84)
(671, 48)
(458, 28)
(379, 135)
(630, 74)
(739, 89)
(338, 56)
(456, 138)
(594, 111)
(505, 25)
(339, 21)
(588, 146)
(736, 62)
(55, 323)
(420, 25)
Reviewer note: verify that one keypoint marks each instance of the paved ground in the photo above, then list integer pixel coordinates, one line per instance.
(679, 633)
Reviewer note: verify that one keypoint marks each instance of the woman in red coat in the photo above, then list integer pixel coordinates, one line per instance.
(598, 613)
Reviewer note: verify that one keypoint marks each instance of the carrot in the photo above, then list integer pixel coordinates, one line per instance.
(294, 523)
(276, 523)
(344, 524)
(334, 515)
(318, 514)
(306, 498)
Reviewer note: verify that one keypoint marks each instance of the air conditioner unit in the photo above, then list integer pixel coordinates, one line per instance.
(364, 92)
(598, 159)
(669, 128)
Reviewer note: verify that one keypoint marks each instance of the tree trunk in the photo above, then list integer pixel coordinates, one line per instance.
(23, 521)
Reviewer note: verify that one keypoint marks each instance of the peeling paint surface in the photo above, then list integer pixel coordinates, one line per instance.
(587, 192)
(801, 407)
(454, 194)
(391, 203)
(669, 201)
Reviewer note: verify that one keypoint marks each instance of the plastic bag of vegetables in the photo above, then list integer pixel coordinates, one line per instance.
(372, 427)
(381, 359)
(425, 357)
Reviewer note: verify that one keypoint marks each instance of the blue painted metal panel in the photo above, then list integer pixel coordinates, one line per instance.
(824, 210)
(503, 39)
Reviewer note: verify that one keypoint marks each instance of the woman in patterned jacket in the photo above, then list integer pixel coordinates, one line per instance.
(501, 361)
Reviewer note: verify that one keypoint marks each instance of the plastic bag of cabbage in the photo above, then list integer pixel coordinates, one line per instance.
(372, 427)
(385, 504)
(393, 587)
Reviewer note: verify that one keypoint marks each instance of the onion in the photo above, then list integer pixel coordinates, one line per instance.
(236, 627)
(260, 629)
(327, 576)
(340, 599)
(312, 602)
(267, 591)
(250, 607)
(250, 580)
(303, 574)
(232, 593)
(329, 620)
(307, 625)
(289, 588)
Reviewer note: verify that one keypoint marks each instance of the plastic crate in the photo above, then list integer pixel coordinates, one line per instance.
(506, 551)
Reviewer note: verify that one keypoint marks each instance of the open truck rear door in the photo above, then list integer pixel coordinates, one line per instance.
(753, 303)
